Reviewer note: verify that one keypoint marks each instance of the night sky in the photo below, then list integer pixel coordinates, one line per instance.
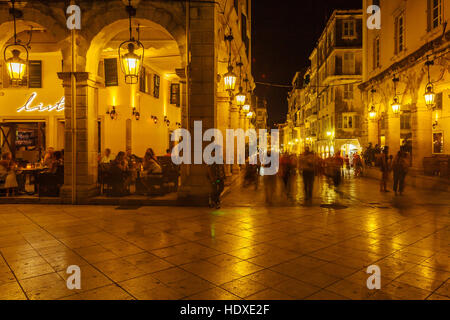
(284, 34)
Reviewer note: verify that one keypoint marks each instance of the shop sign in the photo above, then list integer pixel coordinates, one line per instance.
(59, 106)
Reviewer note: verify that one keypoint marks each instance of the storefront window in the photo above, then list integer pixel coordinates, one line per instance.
(438, 142)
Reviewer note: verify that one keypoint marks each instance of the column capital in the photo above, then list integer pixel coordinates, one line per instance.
(82, 78)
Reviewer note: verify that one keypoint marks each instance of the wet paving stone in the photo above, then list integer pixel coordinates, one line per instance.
(246, 250)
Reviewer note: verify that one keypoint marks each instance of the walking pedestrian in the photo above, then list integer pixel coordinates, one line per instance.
(270, 181)
(337, 163)
(400, 167)
(216, 176)
(287, 166)
(385, 167)
(307, 165)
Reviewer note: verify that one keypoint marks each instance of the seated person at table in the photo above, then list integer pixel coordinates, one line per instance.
(107, 157)
(7, 172)
(119, 170)
(151, 164)
(48, 158)
(56, 163)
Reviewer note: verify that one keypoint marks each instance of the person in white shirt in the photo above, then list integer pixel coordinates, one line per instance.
(107, 158)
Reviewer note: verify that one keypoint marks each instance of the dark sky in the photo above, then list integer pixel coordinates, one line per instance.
(284, 34)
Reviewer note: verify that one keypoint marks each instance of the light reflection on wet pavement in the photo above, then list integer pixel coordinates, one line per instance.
(245, 250)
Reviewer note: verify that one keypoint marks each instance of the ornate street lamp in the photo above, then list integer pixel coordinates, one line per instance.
(229, 78)
(16, 55)
(396, 102)
(246, 106)
(372, 111)
(136, 114)
(429, 92)
(113, 113)
(131, 53)
(240, 97)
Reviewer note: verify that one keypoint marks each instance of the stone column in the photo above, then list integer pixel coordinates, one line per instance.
(223, 122)
(421, 136)
(235, 125)
(393, 138)
(86, 139)
(184, 114)
(372, 130)
(202, 80)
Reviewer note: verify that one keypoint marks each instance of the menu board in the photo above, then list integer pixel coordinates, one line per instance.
(26, 138)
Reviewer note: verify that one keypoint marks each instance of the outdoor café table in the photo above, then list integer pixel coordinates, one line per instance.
(29, 173)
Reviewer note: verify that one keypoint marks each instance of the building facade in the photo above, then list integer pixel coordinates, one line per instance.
(74, 96)
(325, 104)
(412, 33)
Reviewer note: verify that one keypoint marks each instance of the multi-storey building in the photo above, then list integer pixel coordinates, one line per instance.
(324, 105)
(412, 33)
(74, 94)
(261, 113)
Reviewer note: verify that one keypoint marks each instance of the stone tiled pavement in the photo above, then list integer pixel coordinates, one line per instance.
(243, 251)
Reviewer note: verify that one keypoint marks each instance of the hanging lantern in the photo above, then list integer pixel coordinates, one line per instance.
(230, 79)
(15, 65)
(396, 103)
(16, 55)
(372, 113)
(246, 106)
(429, 92)
(131, 53)
(429, 95)
(240, 98)
(396, 106)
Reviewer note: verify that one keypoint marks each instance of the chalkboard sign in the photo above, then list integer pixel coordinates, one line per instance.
(26, 138)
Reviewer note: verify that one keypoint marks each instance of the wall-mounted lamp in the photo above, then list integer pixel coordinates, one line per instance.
(112, 113)
(136, 114)
(154, 118)
(166, 121)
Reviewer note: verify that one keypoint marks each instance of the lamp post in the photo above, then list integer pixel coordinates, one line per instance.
(429, 90)
(15, 55)
(396, 101)
(246, 107)
(132, 60)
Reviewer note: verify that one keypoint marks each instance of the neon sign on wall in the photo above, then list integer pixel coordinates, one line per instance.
(59, 106)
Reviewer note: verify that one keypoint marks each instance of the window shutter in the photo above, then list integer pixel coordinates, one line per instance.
(429, 14)
(143, 81)
(396, 36)
(156, 83)
(111, 76)
(339, 121)
(356, 122)
(439, 100)
(35, 74)
(338, 65)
